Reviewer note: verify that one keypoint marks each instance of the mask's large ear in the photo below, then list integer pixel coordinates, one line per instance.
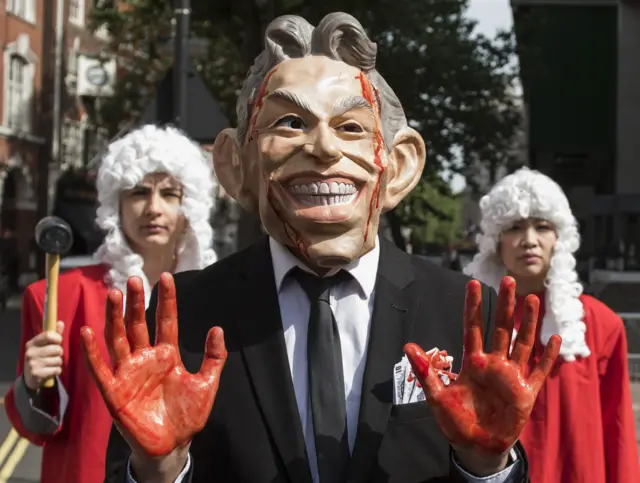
(406, 162)
(231, 171)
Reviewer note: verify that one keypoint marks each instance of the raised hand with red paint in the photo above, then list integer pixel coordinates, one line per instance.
(483, 411)
(157, 405)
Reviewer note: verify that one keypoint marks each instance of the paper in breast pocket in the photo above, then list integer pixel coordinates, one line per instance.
(409, 385)
(398, 381)
(415, 393)
(410, 388)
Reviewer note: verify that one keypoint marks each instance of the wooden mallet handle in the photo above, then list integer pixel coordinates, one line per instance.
(51, 302)
(54, 237)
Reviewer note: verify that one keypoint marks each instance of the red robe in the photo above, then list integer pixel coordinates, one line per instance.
(76, 452)
(582, 427)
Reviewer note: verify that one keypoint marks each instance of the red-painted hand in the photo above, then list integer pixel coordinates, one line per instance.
(485, 409)
(156, 403)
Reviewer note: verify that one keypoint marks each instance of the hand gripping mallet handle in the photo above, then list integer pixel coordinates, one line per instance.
(53, 236)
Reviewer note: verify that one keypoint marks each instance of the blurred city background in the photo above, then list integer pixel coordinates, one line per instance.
(491, 85)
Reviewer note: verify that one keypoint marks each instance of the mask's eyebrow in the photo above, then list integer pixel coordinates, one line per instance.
(292, 98)
(344, 105)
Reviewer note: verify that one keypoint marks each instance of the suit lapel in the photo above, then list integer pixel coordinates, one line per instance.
(265, 355)
(390, 328)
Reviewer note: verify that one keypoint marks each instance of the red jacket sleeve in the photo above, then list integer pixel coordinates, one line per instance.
(621, 445)
(31, 320)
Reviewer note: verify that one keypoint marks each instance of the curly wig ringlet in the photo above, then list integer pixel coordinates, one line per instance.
(153, 149)
(530, 194)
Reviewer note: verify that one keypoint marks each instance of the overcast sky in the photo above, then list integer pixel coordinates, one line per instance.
(491, 15)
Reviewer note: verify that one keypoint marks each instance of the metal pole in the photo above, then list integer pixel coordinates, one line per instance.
(57, 82)
(86, 144)
(182, 15)
(53, 162)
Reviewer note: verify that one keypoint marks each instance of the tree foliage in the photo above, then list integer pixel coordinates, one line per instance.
(455, 85)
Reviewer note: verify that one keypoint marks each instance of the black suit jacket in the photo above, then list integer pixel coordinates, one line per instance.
(254, 434)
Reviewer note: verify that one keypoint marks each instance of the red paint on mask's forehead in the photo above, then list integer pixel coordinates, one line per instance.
(258, 103)
(369, 93)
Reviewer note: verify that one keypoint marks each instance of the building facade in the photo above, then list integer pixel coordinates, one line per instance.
(580, 67)
(21, 134)
(43, 111)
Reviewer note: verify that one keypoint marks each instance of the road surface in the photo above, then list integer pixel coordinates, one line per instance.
(27, 469)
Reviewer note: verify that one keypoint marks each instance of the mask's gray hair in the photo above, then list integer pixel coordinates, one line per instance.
(338, 36)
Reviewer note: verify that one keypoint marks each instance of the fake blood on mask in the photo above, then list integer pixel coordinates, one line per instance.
(258, 103)
(378, 144)
(300, 243)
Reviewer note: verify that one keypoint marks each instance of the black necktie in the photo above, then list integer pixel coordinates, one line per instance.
(326, 378)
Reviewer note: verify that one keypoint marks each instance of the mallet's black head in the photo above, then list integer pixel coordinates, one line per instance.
(53, 235)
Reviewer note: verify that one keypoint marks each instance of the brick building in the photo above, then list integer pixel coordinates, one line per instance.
(49, 73)
(21, 133)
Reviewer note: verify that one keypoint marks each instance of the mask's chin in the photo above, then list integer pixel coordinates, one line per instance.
(330, 250)
(329, 261)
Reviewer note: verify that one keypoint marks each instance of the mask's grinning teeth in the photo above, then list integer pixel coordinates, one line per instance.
(323, 194)
(324, 200)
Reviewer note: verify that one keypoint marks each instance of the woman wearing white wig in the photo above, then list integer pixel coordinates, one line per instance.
(155, 194)
(582, 426)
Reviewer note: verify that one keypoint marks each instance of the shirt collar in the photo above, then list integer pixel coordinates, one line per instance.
(364, 270)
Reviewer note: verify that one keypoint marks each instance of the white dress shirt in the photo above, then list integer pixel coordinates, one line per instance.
(352, 305)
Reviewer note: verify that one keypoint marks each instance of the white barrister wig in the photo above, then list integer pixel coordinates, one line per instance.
(153, 149)
(530, 194)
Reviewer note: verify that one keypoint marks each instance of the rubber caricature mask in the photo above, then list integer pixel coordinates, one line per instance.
(322, 147)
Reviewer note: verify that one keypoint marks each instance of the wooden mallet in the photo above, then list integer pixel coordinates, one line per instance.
(54, 237)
